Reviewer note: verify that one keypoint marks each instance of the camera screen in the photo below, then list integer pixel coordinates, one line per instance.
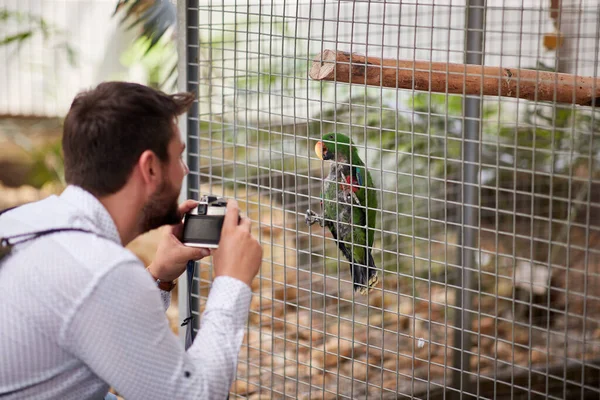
(203, 230)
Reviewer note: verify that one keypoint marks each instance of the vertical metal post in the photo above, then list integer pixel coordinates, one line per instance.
(470, 149)
(193, 141)
(182, 291)
(191, 84)
(187, 80)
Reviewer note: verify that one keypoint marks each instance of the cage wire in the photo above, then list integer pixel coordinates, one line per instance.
(487, 231)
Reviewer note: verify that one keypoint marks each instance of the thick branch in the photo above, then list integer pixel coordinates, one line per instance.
(455, 78)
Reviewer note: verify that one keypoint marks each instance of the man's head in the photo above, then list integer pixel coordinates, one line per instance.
(120, 128)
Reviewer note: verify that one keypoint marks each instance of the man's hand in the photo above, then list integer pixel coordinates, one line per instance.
(239, 254)
(171, 255)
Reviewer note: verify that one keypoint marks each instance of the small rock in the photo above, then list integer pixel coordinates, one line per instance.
(317, 395)
(521, 335)
(334, 350)
(478, 360)
(243, 388)
(268, 320)
(391, 384)
(397, 363)
(376, 319)
(538, 356)
(437, 367)
(442, 296)
(532, 277)
(286, 293)
(260, 396)
(357, 370)
(307, 370)
(392, 318)
(422, 306)
(488, 302)
(319, 378)
(259, 303)
(252, 337)
(503, 351)
(382, 300)
(521, 356)
(505, 288)
(390, 363)
(485, 325)
(436, 359)
(486, 344)
(405, 315)
(311, 335)
(304, 319)
(375, 355)
(376, 299)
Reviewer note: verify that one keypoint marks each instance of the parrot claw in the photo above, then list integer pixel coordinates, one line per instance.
(311, 217)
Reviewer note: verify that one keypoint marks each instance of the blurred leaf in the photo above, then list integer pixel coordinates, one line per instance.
(160, 60)
(156, 18)
(19, 38)
(36, 25)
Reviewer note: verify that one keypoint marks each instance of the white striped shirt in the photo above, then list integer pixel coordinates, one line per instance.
(79, 313)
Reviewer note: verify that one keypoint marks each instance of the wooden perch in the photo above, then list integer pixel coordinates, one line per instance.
(467, 79)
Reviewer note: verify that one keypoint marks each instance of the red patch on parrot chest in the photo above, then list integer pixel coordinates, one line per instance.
(351, 183)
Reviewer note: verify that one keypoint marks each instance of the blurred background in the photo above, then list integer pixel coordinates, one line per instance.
(535, 263)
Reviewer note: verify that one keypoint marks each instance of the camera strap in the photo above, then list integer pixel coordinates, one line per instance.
(189, 334)
(7, 243)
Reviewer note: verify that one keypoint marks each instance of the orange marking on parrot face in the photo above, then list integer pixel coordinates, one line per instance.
(319, 148)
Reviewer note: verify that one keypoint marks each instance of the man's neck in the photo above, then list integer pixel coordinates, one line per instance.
(124, 208)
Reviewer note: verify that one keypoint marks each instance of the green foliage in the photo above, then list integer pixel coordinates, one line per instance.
(158, 59)
(32, 26)
(155, 47)
(48, 165)
(155, 17)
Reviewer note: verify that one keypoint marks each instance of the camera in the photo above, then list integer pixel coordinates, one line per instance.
(202, 225)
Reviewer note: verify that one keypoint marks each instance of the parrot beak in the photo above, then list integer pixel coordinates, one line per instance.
(319, 148)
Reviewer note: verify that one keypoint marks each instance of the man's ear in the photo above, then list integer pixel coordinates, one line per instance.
(150, 168)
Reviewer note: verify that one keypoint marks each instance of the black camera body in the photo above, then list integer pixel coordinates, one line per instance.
(202, 225)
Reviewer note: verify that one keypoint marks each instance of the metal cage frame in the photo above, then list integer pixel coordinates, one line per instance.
(461, 365)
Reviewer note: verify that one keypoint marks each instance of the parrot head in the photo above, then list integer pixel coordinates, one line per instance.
(334, 146)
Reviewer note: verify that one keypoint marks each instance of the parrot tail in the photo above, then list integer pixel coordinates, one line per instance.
(364, 278)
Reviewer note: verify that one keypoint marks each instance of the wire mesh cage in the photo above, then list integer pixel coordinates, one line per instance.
(477, 125)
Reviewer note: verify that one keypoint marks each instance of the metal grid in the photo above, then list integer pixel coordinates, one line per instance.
(487, 230)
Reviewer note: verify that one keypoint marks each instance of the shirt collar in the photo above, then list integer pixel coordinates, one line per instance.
(93, 211)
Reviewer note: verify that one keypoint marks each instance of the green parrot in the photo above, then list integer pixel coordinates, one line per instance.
(349, 205)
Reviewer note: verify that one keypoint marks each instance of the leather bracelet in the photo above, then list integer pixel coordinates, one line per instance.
(162, 285)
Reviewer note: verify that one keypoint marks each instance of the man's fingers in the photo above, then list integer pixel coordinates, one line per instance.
(231, 215)
(187, 206)
(246, 223)
(195, 253)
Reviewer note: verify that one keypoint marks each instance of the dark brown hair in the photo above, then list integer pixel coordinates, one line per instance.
(109, 127)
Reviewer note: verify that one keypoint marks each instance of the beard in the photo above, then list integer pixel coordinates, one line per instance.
(161, 208)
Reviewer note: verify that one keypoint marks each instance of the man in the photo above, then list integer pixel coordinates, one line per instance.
(79, 312)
